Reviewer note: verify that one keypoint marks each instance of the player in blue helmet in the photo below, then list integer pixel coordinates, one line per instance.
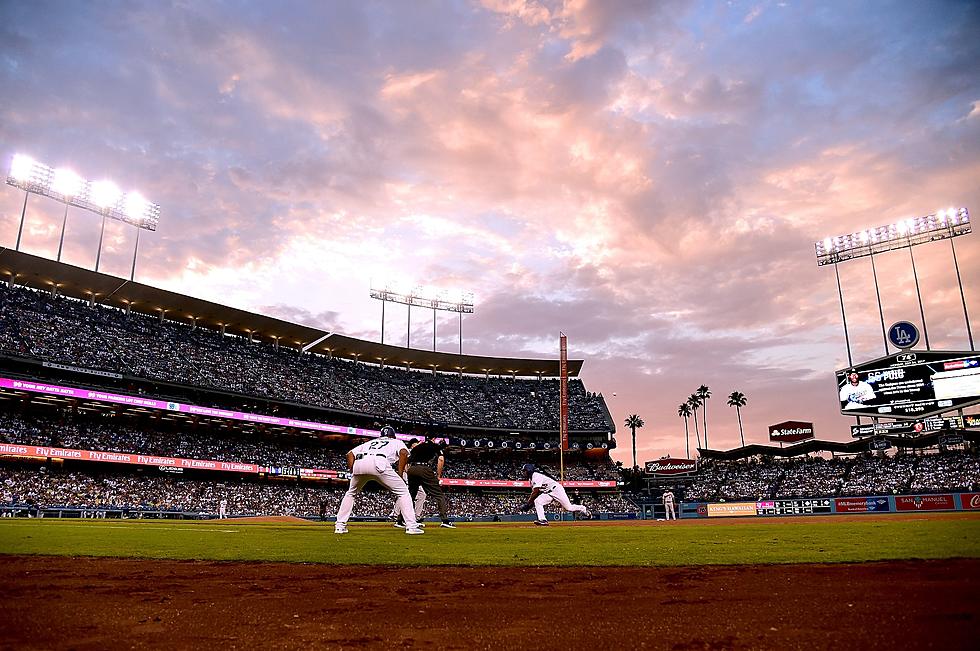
(544, 490)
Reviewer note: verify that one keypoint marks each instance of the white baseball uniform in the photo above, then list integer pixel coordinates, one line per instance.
(222, 509)
(855, 395)
(550, 490)
(669, 505)
(372, 462)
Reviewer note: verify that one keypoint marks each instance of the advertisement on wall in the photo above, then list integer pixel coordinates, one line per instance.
(861, 504)
(970, 501)
(924, 503)
(732, 510)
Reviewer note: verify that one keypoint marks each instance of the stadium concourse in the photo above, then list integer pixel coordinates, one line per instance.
(66, 342)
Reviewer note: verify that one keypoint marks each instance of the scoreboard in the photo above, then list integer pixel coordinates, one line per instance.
(806, 506)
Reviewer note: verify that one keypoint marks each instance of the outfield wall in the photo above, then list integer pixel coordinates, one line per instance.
(832, 505)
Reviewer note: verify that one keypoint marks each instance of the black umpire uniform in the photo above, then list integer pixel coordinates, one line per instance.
(425, 463)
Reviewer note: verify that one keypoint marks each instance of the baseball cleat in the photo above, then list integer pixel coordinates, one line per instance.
(340, 530)
(541, 523)
(399, 525)
(414, 532)
(448, 525)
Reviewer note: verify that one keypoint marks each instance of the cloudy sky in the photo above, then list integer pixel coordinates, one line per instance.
(648, 177)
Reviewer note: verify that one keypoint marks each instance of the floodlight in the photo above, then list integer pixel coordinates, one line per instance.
(135, 205)
(943, 224)
(105, 194)
(66, 183)
(21, 168)
(28, 174)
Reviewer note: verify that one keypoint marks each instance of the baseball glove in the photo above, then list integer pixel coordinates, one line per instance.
(527, 506)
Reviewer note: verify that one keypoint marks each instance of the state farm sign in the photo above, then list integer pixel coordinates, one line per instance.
(791, 431)
(670, 466)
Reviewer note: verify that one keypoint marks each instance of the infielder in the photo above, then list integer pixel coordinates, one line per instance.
(669, 504)
(371, 461)
(544, 490)
(223, 509)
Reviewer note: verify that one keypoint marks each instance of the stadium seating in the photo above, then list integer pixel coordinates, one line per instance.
(40, 326)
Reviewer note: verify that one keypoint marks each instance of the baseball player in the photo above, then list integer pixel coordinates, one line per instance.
(371, 461)
(544, 490)
(669, 504)
(855, 392)
(425, 464)
(223, 509)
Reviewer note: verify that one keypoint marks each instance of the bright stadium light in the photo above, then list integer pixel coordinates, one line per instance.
(67, 183)
(941, 225)
(105, 194)
(428, 297)
(944, 224)
(102, 197)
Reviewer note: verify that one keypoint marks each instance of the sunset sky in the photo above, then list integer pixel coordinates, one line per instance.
(648, 177)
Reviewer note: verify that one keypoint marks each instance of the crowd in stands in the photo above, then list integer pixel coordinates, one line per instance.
(63, 330)
(950, 470)
(43, 488)
(112, 433)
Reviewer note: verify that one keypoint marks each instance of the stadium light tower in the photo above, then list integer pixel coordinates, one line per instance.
(103, 198)
(437, 300)
(907, 233)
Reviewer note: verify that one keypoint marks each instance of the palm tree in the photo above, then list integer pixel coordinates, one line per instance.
(633, 421)
(695, 402)
(704, 393)
(737, 400)
(684, 411)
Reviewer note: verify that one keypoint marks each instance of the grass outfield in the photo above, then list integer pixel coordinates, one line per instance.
(797, 540)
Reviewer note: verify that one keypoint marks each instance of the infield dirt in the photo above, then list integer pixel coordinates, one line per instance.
(86, 603)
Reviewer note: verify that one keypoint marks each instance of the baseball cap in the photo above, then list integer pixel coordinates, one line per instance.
(528, 468)
(388, 431)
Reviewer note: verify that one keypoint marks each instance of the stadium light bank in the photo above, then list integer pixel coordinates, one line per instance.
(100, 197)
(944, 224)
(427, 297)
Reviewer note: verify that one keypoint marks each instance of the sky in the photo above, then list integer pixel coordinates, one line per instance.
(647, 177)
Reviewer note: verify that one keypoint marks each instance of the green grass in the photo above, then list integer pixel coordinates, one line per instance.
(763, 541)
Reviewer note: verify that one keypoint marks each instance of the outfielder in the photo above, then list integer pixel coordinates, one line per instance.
(669, 505)
(371, 461)
(544, 490)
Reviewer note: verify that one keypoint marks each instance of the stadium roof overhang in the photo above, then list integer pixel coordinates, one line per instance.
(842, 447)
(69, 280)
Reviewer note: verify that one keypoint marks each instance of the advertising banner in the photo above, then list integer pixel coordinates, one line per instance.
(139, 401)
(670, 466)
(860, 504)
(791, 431)
(907, 427)
(505, 483)
(924, 503)
(970, 501)
(910, 384)
(17, 450)
(732, 509)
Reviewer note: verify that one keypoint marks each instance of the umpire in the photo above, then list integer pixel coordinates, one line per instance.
(425, 463)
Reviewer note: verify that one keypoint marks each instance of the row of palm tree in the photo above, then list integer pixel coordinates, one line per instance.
(697, 400)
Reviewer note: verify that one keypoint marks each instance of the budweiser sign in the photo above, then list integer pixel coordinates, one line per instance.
(791, 431)
(668, 466)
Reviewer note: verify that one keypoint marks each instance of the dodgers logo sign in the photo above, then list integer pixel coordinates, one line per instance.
(903, 335)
